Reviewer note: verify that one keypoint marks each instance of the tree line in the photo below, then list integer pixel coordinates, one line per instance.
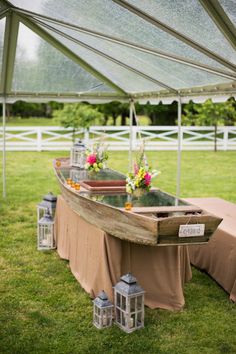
(84, 114)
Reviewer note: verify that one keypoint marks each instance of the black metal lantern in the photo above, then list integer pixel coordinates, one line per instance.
(49, 202)
(129, 304)
(77, 155)
(46, 232)
(102, 311)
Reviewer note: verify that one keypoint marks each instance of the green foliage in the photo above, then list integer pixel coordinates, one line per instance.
(209, 113)
(77, 116)
(28, 109)
(116, 113)
(161, 114)
(114, 110)
(45, 310)
(157, 114)
(36, 121)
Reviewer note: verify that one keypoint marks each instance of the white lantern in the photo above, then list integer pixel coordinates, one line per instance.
(102, 311)
(77, 155)
(77, 175)
(49, 202)
(46, 232)
(129, 304)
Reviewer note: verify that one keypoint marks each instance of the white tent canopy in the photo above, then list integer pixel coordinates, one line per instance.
(127, 50)
(104, 50)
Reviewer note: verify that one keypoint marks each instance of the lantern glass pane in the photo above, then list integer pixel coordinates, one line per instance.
(41, 230)
(118, 299)
(100, 321)
(40, 212)
(123, 302)
(122, 319)
(133, 304)
(118, 315)
(133, 321)
(139, 319)
(41, 235)
(139, 302)
(108, 314)
(48, 233)
(47, 230)
(104, 320)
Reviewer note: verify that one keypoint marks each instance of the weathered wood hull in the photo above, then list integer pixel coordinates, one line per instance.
(148, 226)
(123, 224)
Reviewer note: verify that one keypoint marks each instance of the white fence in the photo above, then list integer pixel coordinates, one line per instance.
(117, 137)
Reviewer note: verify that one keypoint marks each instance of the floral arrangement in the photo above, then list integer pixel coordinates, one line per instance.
(142, 176)
(96, 158)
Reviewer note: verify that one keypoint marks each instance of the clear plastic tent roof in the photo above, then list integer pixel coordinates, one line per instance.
(103, 50)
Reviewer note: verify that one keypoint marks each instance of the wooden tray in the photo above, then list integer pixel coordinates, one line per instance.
(104, 186)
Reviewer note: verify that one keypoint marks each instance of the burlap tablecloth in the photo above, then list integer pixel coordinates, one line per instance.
(218, 256)
(97, 260)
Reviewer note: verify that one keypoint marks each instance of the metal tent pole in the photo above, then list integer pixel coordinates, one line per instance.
(4, 148)
(131, 107)
(179, 152)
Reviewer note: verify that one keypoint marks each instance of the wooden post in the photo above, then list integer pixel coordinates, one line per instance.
(226, 136)
(39, 139)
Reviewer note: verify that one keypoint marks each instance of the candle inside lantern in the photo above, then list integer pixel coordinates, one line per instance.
(45, 242)
(58, 163)
(104, 320)
(131, 322)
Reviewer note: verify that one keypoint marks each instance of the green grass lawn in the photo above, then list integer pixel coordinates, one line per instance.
(30, 122)
(43, 309)
(35, 121)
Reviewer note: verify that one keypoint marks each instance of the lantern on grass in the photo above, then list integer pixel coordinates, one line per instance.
(77, 155)
(49, 202)
(102, 311)
(46, 232)
(129, 304)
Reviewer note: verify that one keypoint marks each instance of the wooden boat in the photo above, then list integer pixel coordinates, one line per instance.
(155, 218)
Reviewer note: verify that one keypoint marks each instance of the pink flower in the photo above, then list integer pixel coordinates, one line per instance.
(91, 159)
(147, 178)
(136, 169)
